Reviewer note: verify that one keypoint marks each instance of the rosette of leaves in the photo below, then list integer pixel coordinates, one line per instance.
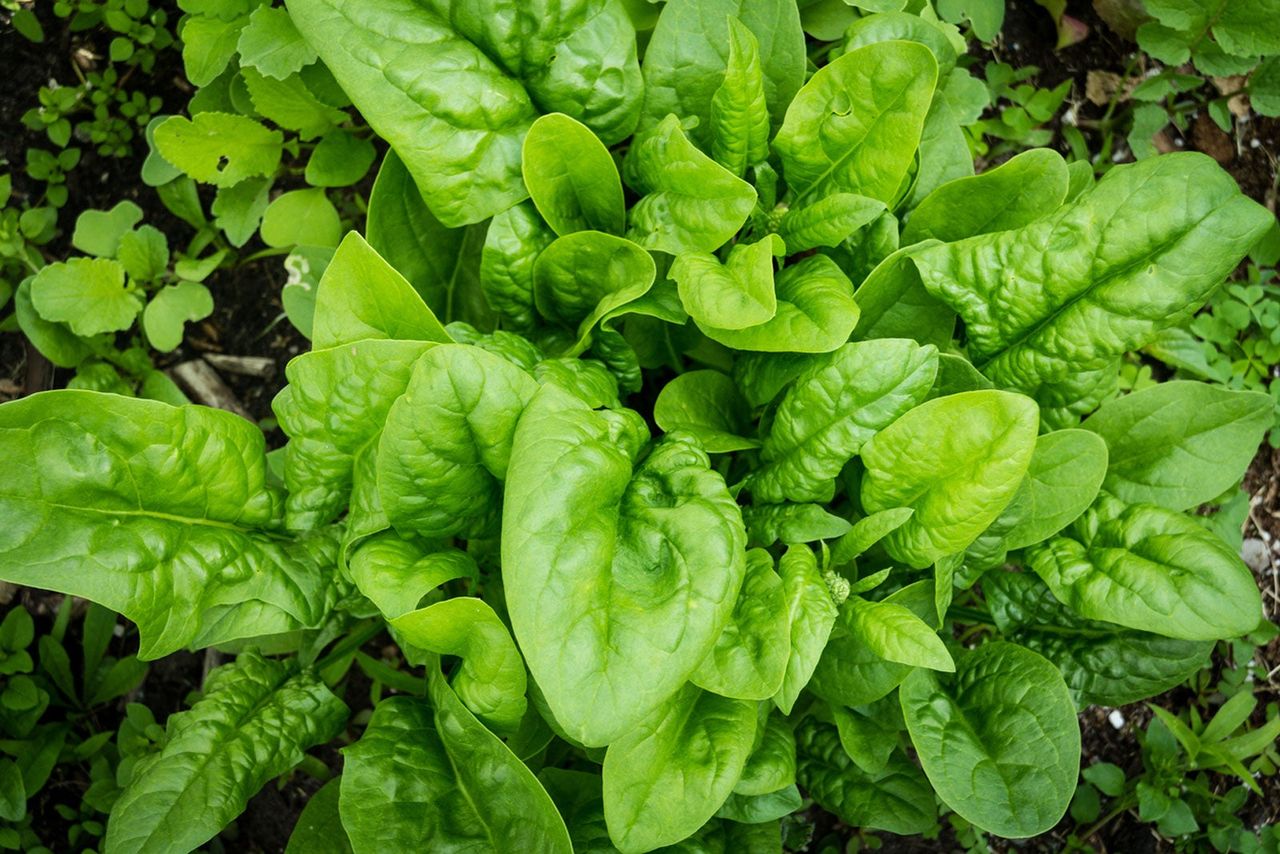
(102, 313)
(660, 611)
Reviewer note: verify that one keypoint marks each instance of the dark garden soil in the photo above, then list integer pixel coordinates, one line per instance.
(248, 321)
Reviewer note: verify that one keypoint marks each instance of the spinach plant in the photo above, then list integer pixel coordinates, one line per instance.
(710, 434)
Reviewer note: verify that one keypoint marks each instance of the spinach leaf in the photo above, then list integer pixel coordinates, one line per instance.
(998, 740)
(576, 57)
(688, 58)
(1102, 663)
(811, 614)
(515, 239)
(361, 296)
(1017, 192)
(706, 405)
(854, 127)
(432, 777)
(1150, 569)
(832, 410)
(667, 778)
(444, 448)
(1098, 295)
(1180, 444)
(414, 78)
(631, 564)
(815, 312)
(334, 407)
(571, 177)
(438, 261)
(750, 656)
(739, 108)
(957, 461)
(253, 722)
(690, 203)
(896, 798)
(171, 508)
(491, 680)
(733, 295)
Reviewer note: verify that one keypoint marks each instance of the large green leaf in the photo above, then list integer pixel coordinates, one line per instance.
(576, 57)
(319, 826)
(1150, 569)
(432, 778)
(850, 673)
(1066, 471)
(252, 723)
(335, 405)
(444, 449)
(832, 410)
(583, 276)
(441, 263)
(571, 177)
(687, 58)
(750, 656)
(512, 244)
(815, 312)
(1015, 193)
(619, 576)
(361, 296)
(811, 614)
(414, 78)
(733, 295)
(855, 125)
(669, 775)
(828, 221)
(397, 574)
(791, 523)
(894, 633)
(739, 109)
(1100, 277)
(491, 680)
(690, 203)
(772, 764)
(707, 405)
(1180, 444)
(161, 513)
(957, 461)
(998, 740)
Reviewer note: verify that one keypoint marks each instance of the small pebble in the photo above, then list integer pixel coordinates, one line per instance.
(1116, 718)
(1253, 552)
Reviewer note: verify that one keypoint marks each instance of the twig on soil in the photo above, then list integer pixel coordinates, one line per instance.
(204, 385)
(247, 366)
(1269, 547)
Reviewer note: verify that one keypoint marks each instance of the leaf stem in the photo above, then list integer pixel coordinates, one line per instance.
(351, 643)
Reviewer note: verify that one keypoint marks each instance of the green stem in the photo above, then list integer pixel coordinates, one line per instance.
(267, 253)
(1126, 803)
(351, 643)
(969, 615)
